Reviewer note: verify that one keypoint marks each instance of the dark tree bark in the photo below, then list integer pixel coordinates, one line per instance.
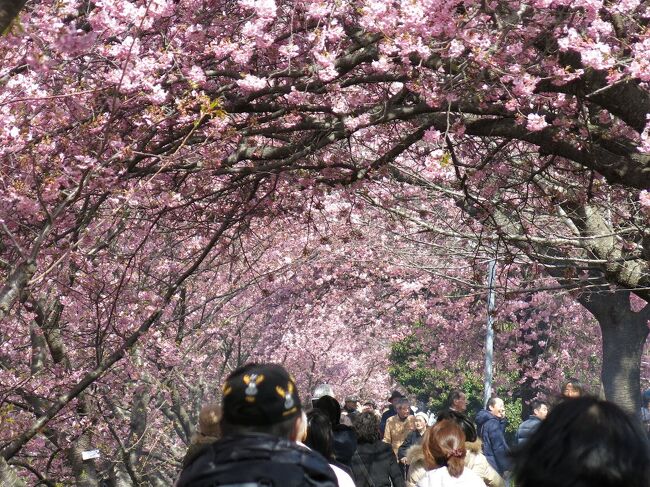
(9, 9)
(8, 475)
(624, 333)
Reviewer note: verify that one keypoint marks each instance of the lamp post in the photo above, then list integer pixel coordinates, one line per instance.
(489, 336)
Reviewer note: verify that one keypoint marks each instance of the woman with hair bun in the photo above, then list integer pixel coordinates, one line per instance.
(444, 457)
(474, 460)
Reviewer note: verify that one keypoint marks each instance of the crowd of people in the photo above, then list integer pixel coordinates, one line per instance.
(262, 435)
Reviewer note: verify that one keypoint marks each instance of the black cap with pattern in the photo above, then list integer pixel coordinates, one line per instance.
(260, 394)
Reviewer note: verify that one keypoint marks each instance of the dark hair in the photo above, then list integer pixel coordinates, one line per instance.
(575, 384)
(585, 442)
(330, 407)
(536, 404)
(319, 433)
(402, 401)
(283, 429)
(366, 427)
(491, 402)
(454, 395)
(444, 446)
(461, 420)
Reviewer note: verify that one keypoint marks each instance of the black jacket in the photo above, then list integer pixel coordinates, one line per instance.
(527, 428)
(384, 417)
(257, 459)
(380, 463)
(345, 443)
(413, 438)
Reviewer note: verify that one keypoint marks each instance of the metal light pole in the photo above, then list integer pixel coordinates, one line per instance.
(489, 337)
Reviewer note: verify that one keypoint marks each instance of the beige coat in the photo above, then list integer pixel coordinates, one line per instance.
(397, 430)
(476, 461)
(416, 469)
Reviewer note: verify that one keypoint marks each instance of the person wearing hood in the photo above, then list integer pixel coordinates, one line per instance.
(491, 423)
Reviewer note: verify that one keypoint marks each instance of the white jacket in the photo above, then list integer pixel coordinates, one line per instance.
(440, 477)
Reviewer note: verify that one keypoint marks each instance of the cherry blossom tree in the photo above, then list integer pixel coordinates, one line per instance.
(145, 144)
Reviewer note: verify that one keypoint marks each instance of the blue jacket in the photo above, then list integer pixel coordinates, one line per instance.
(527, 428)
(492, 432)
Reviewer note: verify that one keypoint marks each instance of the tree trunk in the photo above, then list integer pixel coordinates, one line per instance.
(623, 341)
(9, 9)
(624, 333)
(8, 475)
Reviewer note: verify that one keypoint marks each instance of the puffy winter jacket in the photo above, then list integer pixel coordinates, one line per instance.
(377, 460)
(413, 438)
(492, 432)
(257, 459)
(527, 428)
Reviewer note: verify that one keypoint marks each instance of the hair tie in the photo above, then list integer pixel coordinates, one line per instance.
(457, 452)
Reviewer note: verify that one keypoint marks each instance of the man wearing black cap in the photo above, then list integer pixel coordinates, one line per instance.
(391, 411)
(262, 417)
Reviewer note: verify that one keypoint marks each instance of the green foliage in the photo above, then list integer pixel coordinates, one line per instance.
(513, 415)
(410, 366)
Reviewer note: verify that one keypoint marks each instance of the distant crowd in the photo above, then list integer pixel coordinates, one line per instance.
(261, 434)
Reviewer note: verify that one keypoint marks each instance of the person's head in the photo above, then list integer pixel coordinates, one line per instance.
(209, 418)
(572, 388)
(457, 400)
(539, 408)
(366, 427)
(261, 398)
(496, 407)
(331, 407)
(402, 407)
(582, 443)
(319, 433)
(443, 445)
(351, 403)
(421, 421)
(369, 406)
(394, 397)
(321, 390)
(461, 420)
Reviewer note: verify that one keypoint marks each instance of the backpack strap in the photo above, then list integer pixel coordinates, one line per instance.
(356, 458)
